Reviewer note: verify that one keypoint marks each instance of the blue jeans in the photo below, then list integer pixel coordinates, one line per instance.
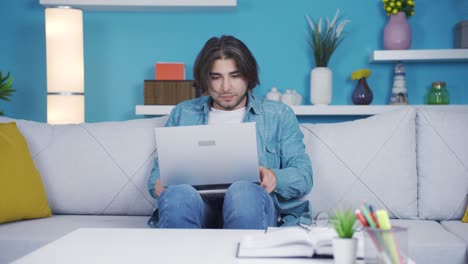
(245, 205)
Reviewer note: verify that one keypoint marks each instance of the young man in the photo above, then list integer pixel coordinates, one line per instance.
(226, 70)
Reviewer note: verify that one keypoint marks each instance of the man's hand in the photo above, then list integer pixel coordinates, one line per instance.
(159, 188)
(268, 179)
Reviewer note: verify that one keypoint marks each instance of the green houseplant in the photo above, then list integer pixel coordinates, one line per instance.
(5, 87)
(325, 37)
(343, 222)
(345, 245)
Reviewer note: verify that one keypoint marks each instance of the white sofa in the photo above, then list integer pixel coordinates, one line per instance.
(413, 162)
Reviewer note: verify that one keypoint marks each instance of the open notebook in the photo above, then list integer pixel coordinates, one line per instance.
(293, 242)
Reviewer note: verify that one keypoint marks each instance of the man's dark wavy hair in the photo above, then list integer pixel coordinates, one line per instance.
(225, 47)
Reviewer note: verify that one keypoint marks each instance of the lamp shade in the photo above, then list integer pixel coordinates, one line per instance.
(65, 65)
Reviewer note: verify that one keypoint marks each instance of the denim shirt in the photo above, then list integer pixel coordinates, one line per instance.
(279, 143)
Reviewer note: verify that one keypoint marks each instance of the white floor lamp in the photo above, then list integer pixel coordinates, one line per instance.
(65, 65)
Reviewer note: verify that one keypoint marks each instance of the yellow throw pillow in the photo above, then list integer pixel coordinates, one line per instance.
(22, 194)
(465, 217)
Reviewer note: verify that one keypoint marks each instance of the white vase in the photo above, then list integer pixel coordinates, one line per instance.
(288, 97)
(321, 86)
(273, 94)
(344, 250)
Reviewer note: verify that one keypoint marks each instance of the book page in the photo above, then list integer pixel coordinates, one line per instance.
(284, 242)
(318, 236)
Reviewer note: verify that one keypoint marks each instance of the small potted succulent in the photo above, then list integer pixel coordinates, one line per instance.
(345, 245)
(5, 87)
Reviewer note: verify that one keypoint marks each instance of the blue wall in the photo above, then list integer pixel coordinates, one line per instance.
(122, 47)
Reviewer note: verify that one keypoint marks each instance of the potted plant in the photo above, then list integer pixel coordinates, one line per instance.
(397, 32)
(5, 87)
(345, 245)
(324, 39)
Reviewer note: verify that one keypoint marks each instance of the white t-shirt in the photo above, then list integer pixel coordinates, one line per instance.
(217, 116)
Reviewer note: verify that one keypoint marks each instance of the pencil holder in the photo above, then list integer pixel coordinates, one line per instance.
(386, 246)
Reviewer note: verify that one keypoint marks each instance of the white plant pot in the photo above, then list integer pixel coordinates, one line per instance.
(321, 86)
(344, 250)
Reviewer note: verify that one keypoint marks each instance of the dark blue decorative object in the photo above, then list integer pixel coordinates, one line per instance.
(362, 95)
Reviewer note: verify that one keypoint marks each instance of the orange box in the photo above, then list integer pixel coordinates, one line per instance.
(169, 71)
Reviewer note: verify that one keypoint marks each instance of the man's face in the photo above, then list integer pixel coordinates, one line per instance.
(227, 86)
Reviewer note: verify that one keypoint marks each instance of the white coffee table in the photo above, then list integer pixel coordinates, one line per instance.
(113, 245)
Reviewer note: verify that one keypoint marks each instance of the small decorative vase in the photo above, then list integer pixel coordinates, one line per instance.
(273, 94)
(288, 97)
(344, 250)
(362, 94)
(438, 94)
(321, 86)
(397, 33)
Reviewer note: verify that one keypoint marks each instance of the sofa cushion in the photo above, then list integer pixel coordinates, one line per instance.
(22, 237)
(371, 159)
(465, 217)
(430, 242)
(457, 228)
(94, 168)
(22, 194)
(442, 163)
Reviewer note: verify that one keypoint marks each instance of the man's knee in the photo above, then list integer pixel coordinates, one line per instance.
(247, 205)
(244, 191)
(181, 193)
(180, 206)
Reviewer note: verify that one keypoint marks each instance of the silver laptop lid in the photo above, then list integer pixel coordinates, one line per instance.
(208, 156)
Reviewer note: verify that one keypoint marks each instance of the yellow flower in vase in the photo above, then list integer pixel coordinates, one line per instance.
(392, 7)
(359, 74)
(362, 95)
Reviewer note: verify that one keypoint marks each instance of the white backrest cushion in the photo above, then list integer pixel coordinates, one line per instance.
(369, 160)
(94, 168)
(442, 140)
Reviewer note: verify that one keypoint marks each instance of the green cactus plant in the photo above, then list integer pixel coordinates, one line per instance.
(5, 87)
(343, 222)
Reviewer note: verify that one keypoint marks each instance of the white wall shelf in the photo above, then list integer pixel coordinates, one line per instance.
(312, 110)
(143, 5)
(419, 55)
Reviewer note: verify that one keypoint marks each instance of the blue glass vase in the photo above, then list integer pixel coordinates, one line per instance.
(362, 95)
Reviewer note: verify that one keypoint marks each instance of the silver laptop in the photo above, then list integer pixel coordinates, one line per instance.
(208, 157)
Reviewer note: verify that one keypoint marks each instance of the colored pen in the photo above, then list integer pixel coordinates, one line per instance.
(361, 218)
(372, 214)
(384, 220)
(390, 241)
(366, 213)
(372, 235)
